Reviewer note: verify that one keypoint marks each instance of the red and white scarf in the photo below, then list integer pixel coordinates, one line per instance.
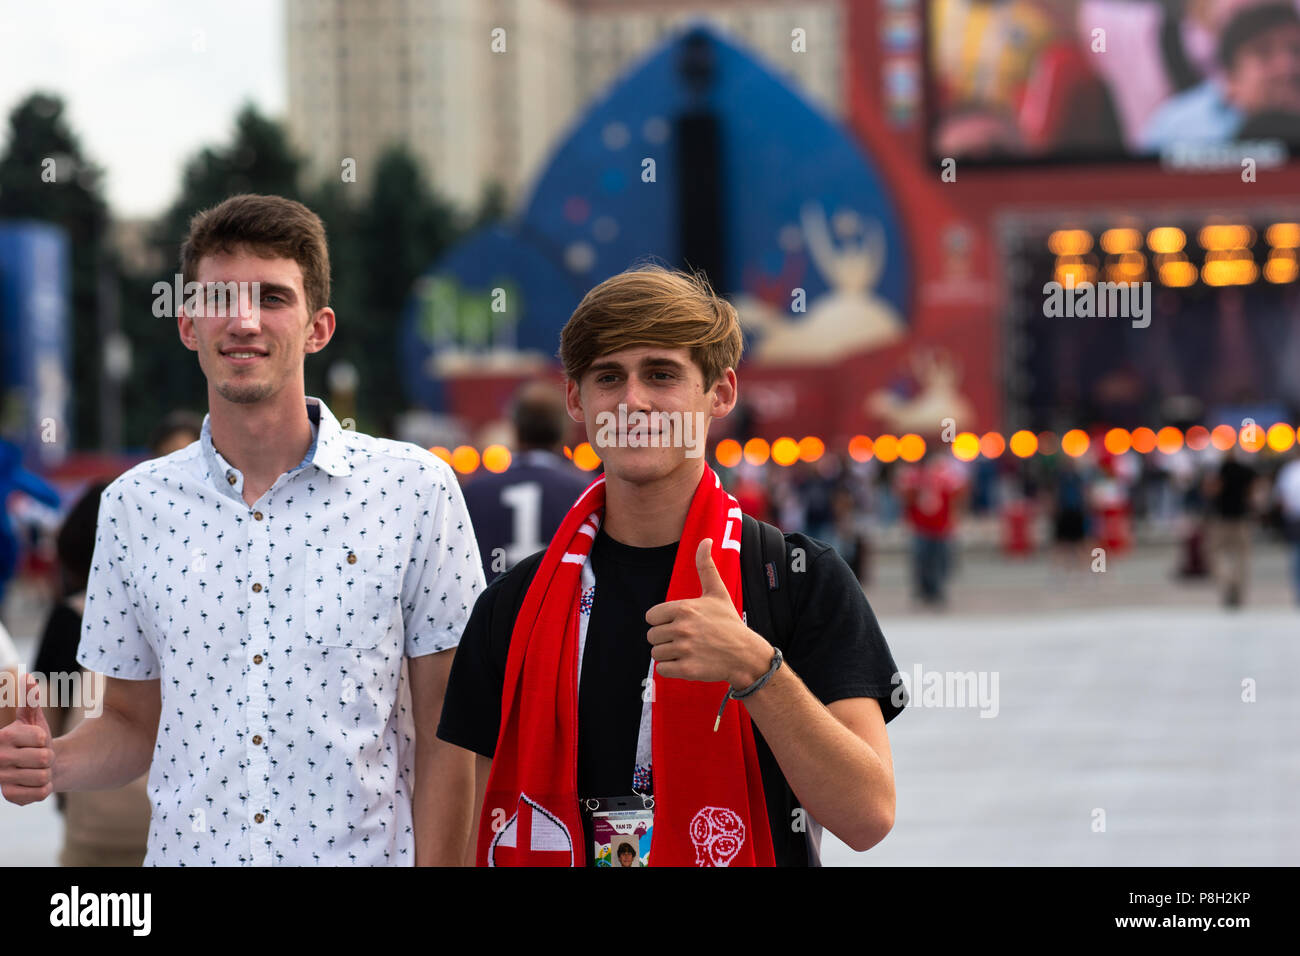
(709, 804)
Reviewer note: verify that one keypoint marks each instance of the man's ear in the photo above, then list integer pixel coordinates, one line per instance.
(185, 329)
(725, 392)
(320, 330)
(573, 400)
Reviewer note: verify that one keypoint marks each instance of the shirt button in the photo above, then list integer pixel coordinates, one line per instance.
(257, 658)
(257, 740)
(257, 516)
(258, 818)
(257, 588)
(231, 479)
(352, 558)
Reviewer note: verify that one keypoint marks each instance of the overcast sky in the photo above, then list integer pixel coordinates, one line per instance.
(146, 82)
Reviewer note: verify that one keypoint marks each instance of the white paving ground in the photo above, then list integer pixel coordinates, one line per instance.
(1136, 713)
(1120, 693)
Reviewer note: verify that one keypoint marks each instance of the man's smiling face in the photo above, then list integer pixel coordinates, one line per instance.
(647, 379)
(252, 350)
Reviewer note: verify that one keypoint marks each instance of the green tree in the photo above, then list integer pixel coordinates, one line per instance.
(332, 202)
(259, 160)
(401, 228)
(71, 196)
(492, 206)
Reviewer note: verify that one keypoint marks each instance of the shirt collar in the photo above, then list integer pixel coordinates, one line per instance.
(331, 450)
(328, 452)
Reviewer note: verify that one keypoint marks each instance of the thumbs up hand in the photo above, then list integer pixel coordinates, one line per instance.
(704, 638)
(26, 756)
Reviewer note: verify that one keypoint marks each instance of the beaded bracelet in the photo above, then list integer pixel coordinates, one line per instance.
(733, 694)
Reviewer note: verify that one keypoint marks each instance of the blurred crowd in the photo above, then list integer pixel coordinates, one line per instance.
(1213, 504)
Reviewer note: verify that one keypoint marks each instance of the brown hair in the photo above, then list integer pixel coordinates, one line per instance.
(266, 226)
(651, 305)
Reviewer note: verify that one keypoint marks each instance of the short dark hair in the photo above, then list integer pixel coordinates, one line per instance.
(173, 422)
(265, 225)
(1250, 22)
(539, 415)
(626, 848)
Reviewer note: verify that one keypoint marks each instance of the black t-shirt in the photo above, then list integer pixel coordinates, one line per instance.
(837, 649)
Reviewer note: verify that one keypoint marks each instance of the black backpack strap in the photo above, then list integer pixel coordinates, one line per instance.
(780, 588)
(768, 587)
(765, 579)
(757, 613)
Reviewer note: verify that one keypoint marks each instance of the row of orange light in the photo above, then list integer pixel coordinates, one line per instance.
(1231, 267)
(1217, 237)
(966, 446)
(1228, 260)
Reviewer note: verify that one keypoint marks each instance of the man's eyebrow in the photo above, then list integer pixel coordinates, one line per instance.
(654, 361)
(274, 288)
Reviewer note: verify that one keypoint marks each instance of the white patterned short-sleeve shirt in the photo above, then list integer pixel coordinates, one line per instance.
(278, 633)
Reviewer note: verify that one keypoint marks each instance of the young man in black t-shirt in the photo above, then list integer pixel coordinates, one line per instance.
(654, 341)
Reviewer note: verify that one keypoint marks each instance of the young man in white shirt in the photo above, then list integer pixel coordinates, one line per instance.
(260, 598)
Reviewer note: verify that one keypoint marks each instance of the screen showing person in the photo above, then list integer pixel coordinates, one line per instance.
(1102, 79)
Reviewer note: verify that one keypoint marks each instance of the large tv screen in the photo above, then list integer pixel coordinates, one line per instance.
(1107, 79)
(1212, 321)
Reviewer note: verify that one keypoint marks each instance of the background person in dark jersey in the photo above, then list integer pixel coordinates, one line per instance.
(516, 512)
(820, 721)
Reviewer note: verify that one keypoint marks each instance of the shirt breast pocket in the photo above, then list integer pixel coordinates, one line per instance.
(353, 597)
